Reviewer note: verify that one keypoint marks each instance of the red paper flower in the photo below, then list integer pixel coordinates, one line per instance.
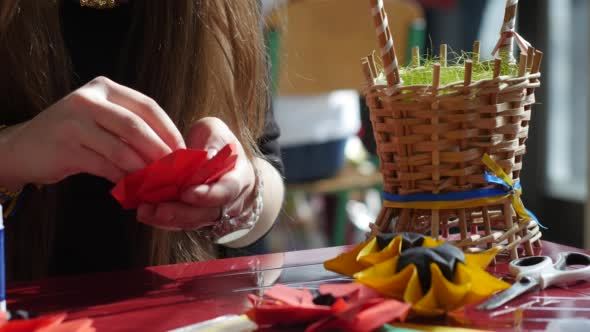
(164, 180)
(53, 323)
(348, 307)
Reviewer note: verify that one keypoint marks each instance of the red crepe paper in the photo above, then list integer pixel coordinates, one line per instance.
(54, 323)
(80, 325)
(356, 308)
(164, 180)
(348, 289)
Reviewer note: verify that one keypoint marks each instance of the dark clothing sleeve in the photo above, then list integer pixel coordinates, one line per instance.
(268, 142)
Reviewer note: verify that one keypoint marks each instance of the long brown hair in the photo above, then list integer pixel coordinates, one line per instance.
(199, 58)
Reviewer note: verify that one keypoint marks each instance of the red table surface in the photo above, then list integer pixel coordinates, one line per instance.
(167, 297)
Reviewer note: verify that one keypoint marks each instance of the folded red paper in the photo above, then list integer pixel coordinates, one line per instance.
(53, 323)
(342, 307)
(164, 180)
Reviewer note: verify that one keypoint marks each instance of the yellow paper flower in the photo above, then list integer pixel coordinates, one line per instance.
(433, 276)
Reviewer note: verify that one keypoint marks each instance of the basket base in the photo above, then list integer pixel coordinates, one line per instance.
(472, 229)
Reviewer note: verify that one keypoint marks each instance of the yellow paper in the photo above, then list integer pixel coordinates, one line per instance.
(482, 259)
(377, 269)
(371, 255)
(346, 263)
(433, 328)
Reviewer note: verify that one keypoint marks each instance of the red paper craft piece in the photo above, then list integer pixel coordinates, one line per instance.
(355, 308)
(35, 324)
(80, 325)
(371, 315)
(164, 180)
(53, 323)
(222, 163)
(342, 290)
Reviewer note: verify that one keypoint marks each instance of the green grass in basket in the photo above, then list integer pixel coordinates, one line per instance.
(454, 72)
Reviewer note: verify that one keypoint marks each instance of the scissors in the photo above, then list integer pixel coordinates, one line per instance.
(539, 272)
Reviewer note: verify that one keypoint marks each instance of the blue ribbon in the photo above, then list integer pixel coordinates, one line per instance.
(491, 178)
(502, 189)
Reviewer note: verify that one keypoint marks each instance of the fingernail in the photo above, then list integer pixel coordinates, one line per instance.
(180, 144)
(201, 190)
(211, 152)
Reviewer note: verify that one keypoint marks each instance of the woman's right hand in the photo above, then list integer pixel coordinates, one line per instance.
(103, 128)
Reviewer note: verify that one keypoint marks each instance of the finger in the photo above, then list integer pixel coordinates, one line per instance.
(153, 222)
(146, 215)
(221, 193)
(112, 148)
(147, 109)
(93, 163)
(178, 215)
(210, 134)
(132, 129)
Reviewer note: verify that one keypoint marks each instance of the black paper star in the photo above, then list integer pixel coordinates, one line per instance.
(445, 256)
(324, 299)
(409, 240)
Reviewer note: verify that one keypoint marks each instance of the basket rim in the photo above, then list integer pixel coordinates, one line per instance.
(457, 84)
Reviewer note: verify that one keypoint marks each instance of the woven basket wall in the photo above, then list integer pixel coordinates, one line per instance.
(431, 140)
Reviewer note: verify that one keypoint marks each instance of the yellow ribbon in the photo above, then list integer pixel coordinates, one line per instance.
(512, 193)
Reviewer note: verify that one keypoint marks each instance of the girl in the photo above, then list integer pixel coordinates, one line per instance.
(91, 90)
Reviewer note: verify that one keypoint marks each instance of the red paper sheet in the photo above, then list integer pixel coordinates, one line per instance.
(54, 323)
(164, 180)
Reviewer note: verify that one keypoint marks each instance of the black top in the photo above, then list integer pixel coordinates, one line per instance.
(93, 233)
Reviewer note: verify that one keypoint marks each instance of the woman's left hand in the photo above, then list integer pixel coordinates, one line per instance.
(204, 205)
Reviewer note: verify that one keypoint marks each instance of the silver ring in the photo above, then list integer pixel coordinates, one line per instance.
(229, 227)
(224, 217)
(224, 225)
(213, 232)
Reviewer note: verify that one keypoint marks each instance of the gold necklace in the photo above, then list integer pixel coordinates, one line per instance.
(99, 4)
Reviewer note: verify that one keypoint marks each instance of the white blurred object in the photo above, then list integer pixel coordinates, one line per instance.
(269, 5)
(374, 201)
(355, 150)
(489, 32)
(317, 119)
(223, 323)
(359, 215)
(363, 214)
(569, 325)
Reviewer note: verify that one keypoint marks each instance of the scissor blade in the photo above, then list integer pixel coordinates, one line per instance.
(520, 287)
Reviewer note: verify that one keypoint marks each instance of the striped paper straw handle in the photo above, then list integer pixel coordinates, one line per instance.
(390, 64)
(508, 27)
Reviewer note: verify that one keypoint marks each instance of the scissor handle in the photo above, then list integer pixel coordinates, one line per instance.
(566, 259)
(560, 274)
(531, 266)
(542, 268)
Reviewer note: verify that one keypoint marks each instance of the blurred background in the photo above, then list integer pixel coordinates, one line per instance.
(315, 48)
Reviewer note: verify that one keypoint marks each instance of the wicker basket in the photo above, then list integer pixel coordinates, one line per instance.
(431, 140)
